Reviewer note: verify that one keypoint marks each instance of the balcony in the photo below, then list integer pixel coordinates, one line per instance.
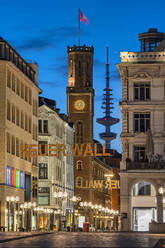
(145, 165)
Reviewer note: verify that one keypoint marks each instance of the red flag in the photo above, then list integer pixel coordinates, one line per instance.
(83, 18)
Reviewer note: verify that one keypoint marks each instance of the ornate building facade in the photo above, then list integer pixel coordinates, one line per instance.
(142, 169)
(55, 172)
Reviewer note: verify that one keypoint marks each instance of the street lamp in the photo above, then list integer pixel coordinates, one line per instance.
(75, 201)
(161, 190)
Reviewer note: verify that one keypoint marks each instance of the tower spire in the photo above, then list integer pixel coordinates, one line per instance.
(107, 104)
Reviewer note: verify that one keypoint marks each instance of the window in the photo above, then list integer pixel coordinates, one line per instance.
(9, 79)
(71, 66)
(27, 188)
(22, 119)
(142, 188)
(79, 69)
(17, 178)
(79, 165)
(26, 93)
(43, 147)
(141, 122)
(13, 113)
(30, 125)
(43, 171)
(127, 122)
(45, 126)
(35, 108)
(142, 91)
(26, 122)
(18, 87)
(13, 177)
(33, 131)
(44, 196)
(8, 143)
(139, 154)
(8, 176)
(17, 147)
(79, 182)
(22, 90)
(40, 126)
(35, 187)
(17, 117)
(26, 155)
(79, 133)
(22, 180)
(13, 82)
(21, 153)
(30, 96)
(13, 145)
(8, 110)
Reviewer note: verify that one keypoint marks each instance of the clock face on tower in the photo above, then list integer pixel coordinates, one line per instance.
(79, 105)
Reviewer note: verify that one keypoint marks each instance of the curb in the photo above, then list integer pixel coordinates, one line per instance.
(23, 237)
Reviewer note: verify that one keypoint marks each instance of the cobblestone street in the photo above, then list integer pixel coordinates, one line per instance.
(111, 240)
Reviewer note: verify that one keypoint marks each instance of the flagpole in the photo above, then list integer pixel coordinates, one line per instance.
(79, 27)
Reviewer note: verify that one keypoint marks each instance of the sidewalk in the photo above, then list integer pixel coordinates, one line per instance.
(10, 236)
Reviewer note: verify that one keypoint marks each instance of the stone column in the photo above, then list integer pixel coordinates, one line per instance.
(159, 198)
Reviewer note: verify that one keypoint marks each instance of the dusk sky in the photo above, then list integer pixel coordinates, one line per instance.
(41, 31)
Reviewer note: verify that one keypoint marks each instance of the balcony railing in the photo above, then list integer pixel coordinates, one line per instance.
(145, 165)
(136, 57)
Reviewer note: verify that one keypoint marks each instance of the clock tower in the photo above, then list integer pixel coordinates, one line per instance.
(80, 108)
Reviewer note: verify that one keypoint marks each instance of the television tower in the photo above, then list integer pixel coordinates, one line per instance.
(107, 120)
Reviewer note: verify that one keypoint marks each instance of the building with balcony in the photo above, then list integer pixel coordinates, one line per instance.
(18, 127)
(142, 169)
(55, 171)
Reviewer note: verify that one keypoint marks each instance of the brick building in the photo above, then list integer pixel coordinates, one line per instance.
(80, 103)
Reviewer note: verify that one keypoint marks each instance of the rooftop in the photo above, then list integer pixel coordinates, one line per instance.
(7, 52)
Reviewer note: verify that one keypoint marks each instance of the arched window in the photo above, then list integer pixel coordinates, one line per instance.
(79, 133)
(79, 165)
(71, 68)
(87, 68)
(79, 68)
(142, 188)
(79, 182)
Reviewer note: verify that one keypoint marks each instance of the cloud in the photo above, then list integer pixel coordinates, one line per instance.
(114, 75)
(50, 84)
(36, 44)
(48, 38)
(98, 63)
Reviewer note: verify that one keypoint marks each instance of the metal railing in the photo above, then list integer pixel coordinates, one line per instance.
(145, 165)
(136, 57)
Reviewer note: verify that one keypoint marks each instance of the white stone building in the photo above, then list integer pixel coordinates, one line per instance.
(142, 173)
(55, 172)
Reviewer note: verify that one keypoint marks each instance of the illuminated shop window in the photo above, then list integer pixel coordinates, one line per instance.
(12, 177)
(8, 176)
(17, 179)
(22, 180)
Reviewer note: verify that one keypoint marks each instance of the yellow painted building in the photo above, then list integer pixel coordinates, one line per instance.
(18, 126)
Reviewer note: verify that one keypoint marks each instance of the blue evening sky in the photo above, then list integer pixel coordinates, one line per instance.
(41, 31)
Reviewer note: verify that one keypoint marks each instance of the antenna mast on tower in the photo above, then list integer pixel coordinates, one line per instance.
(107, 120)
